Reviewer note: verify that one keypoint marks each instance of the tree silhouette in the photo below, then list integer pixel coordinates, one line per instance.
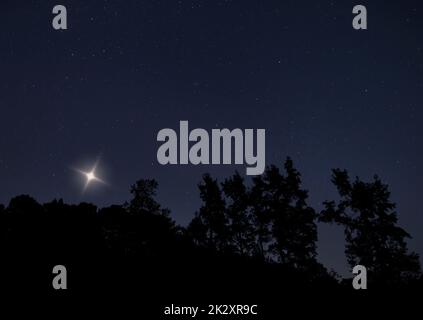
(147, 226)
(114, 221)
(292, 221)
(143, 198)
(247, 232)
(373, 238)
(197, 231)
(24, 217)
(240, 227)
(261, 217)
(270, 220)
(210, 225)
(2, 221)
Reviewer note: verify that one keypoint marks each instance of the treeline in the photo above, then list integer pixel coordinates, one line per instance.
(271, 220)
(260, 230)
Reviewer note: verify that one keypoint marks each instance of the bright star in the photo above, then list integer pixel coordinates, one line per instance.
(90, 176)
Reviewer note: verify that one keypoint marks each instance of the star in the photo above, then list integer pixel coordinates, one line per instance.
(91, 176)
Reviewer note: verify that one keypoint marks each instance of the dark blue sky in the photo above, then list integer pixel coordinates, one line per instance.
(328, 96)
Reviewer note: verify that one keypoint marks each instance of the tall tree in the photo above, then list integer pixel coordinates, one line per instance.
(285, 226)
(148, 227)
(261, 218)
(373, 238)
(293, 222)
(241, 230)
(197, 231)
(144, 192)
(211, 217)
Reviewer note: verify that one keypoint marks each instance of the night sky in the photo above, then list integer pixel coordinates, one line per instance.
(327, 95)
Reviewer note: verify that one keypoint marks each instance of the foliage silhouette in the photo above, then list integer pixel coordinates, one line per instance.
(246, 237)
(373, 238)
(271, 220)
(293, 226)
(210, 225)
(241, 228)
